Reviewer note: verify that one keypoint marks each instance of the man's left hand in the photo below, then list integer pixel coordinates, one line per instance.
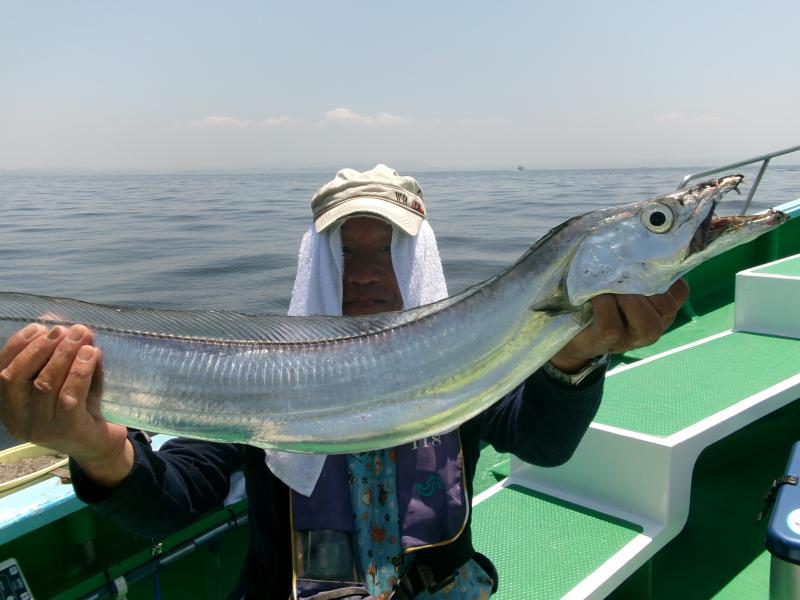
(622, 322)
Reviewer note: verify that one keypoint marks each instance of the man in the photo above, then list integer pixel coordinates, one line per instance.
(395, 519)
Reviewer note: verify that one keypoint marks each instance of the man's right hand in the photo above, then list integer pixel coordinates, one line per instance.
(46, 398)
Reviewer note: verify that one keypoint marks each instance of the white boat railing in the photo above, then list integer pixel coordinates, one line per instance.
(763, 159)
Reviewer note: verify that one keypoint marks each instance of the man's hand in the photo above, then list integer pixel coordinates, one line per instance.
(621, 323)
(46, 385)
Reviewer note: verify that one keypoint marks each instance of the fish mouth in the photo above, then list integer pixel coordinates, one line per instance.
(714, 227)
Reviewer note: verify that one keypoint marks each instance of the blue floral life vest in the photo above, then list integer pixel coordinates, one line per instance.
(432, 505)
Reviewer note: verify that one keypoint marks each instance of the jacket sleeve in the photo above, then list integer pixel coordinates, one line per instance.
(542, 421)
(166, 490)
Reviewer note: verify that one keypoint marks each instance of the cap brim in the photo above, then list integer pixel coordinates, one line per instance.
(405, 218)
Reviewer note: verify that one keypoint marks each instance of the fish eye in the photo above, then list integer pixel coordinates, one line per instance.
(658, 218)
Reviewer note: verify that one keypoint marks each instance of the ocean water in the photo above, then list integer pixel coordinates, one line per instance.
(229, 241)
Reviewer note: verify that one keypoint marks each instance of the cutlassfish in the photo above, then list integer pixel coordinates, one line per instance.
(351, 384)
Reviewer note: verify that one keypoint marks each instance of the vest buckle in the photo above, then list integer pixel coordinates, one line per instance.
(418, 578)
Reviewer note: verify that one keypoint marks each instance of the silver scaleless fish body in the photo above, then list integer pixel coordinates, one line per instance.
(350, 384)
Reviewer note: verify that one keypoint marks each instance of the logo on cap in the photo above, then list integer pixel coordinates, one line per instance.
(415, 204)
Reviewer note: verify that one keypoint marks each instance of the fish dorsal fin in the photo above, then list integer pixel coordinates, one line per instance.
(204, 325)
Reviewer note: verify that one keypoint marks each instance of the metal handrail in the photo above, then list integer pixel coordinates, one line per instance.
(764, 159)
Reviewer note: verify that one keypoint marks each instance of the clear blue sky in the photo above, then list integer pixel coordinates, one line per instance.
(263, 85)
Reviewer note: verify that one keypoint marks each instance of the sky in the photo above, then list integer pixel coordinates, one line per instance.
(236, 85)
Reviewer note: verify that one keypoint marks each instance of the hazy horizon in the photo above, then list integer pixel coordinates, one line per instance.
(276, 87)
(323, 169)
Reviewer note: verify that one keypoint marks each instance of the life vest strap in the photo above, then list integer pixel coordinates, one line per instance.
(435, 568)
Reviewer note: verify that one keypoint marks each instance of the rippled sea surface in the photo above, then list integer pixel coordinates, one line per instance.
(230, 241)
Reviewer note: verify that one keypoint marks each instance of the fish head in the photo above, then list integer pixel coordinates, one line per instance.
(642, 248)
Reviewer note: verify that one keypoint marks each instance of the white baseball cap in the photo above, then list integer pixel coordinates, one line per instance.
(380, 191)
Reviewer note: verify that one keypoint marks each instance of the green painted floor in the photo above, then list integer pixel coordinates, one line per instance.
(720, 553)
(547, 546)
(708, 324)
(662, 397)
(493, 466)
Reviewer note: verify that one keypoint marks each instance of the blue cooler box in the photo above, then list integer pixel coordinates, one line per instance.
(783, 536)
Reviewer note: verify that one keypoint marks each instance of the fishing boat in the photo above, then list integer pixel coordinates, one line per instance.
(659, 501)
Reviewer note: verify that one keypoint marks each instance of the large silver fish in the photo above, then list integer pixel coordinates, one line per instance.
(350, 384)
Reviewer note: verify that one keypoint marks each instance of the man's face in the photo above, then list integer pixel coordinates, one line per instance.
(369, 284)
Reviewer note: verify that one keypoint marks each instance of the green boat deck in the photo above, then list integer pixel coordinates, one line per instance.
(549, 546)
(664, 396)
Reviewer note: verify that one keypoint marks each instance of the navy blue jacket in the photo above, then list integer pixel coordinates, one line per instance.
(541, 422)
